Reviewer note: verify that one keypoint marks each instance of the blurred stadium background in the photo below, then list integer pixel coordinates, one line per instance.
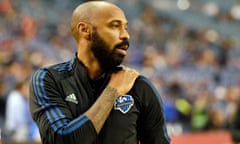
(189, 49)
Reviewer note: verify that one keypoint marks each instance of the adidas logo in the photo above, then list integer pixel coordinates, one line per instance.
(71, 98)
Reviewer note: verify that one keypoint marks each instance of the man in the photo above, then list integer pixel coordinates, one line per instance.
(91, 99)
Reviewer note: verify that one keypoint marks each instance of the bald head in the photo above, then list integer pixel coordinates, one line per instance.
(90, 12)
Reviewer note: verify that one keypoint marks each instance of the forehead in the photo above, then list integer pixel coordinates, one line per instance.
(111, 14)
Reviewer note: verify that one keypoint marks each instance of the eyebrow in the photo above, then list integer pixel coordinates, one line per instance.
(118, 21)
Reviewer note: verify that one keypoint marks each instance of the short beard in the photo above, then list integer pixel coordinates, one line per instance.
(107, 58)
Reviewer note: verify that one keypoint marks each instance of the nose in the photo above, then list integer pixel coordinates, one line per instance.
(124, 35)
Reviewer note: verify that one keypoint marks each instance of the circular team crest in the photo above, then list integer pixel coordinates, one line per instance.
(124, 103)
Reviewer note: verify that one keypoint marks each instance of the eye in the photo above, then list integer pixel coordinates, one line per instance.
(115, 25)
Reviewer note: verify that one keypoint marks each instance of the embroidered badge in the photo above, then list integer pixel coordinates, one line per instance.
(124, 103)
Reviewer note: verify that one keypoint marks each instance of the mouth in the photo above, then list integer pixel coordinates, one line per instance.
(122, 49)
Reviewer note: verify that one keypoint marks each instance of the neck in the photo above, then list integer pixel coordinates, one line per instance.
(94, 69)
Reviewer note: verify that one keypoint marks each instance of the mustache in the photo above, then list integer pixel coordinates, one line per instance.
(125, 42)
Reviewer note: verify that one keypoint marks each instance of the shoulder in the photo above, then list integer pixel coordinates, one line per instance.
(60, 67)
(15, 98)
(145, 89)
(143, 82)
(56, 70)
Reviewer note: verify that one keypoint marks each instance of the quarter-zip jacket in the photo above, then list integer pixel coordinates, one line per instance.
(60, 94)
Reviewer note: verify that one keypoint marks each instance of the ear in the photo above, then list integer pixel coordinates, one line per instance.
(84, 30)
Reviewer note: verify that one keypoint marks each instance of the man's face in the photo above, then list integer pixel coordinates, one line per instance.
(107, 55)
(110, 37)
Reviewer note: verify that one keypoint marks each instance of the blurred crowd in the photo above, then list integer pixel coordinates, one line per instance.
(196, 70)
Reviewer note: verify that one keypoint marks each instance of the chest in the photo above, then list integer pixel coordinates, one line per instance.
(80, 96)
(123, 119)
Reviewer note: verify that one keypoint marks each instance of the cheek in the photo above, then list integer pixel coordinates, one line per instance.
(110, 37)
(110, 43)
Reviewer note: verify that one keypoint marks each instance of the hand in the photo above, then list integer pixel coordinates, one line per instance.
(123, 80)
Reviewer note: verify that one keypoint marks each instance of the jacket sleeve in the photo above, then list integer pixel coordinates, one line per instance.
(152, 127)
(52, 115)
